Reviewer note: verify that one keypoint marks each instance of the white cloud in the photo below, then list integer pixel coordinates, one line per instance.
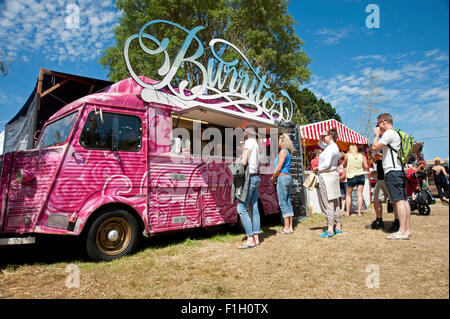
(331, 36)
(414, 88)
(368, 58)
(437, 93)
(29, 26)
(431, 52)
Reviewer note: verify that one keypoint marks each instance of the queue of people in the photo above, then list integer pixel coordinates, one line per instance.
(337, 175)
(352, 168)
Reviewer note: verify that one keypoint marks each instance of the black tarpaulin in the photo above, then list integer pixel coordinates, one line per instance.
(53, 90)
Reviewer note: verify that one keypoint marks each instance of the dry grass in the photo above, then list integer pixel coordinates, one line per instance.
(300, 265)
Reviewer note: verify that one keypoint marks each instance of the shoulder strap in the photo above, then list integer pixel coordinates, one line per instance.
(392, 155)
(392, 149)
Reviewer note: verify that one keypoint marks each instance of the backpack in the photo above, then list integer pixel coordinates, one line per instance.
(406, 147)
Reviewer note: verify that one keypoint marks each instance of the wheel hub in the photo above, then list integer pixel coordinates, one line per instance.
(113, 235)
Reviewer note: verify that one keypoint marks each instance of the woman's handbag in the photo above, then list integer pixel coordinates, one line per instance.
(310, 181)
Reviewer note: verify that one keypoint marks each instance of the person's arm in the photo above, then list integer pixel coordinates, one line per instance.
(281, 159)
(247, 148)
(365, 165)
(245, 155)
(376, 144)
(342, 173)
(322, 144)
(445, 172)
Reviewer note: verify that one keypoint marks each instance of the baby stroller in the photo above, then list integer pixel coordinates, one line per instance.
(421, 198)
(421, 201)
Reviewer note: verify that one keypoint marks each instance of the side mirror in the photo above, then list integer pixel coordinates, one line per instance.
(99, 112)
(36, 138)
(36, 135)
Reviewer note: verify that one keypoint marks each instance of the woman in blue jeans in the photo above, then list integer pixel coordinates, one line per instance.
(251, 224)
(282, 179)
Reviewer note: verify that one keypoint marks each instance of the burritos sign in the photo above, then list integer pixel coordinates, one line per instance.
(222, 81)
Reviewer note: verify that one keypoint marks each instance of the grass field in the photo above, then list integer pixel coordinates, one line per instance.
(201, 265)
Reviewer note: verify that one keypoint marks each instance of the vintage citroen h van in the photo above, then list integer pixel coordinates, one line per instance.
(106, 167)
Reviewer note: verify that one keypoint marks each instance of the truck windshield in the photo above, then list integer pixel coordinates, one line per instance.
(58, 131)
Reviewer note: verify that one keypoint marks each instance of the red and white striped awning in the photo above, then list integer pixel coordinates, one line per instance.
(345, 135)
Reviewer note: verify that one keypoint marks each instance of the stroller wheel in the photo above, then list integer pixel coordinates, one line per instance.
(427, 210)
(421, 210)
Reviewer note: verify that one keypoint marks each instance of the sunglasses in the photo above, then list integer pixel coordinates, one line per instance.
(379, 122)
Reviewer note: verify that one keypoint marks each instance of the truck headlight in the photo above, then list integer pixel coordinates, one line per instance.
(24, 176)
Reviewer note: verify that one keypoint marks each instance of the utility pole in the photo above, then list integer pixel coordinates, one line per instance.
(369, 101)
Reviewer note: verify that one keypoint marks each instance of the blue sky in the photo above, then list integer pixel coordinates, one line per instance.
(408, 55)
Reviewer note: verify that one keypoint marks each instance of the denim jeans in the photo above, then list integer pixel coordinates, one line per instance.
(284, 195)
(251, 226)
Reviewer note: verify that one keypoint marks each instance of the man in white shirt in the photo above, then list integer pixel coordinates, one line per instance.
(394, 173)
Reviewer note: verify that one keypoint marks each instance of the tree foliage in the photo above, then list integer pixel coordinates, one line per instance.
(3, 69)
(4, 60)
(261, 29)
(309, 109)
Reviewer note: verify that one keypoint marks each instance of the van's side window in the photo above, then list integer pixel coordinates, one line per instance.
(111, 131)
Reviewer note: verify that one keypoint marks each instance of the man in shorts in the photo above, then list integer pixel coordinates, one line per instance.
(394, 173)
(381, 195)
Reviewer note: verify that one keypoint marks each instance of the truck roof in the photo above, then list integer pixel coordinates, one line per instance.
(127, 93)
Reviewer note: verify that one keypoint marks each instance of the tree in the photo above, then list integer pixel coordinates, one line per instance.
(4, 64)
(309, 109)
(261, 29)
(3, 68)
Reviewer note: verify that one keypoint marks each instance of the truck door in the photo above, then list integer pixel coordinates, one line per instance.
(105, 161)
(174, 180)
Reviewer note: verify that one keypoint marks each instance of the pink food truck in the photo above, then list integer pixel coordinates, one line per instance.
(106, 167)
(137, 158)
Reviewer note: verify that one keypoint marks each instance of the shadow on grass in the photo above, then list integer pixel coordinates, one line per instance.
(46, 250)
(52, 249)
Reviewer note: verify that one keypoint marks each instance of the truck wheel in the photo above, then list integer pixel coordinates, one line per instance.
(113, 234)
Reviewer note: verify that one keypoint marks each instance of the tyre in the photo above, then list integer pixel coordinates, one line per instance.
(421, 209)
(113, 234)
(427, 210)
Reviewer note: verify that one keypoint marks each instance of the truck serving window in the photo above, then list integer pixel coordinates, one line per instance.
(58, 131)
(112, 131)
(185, 145)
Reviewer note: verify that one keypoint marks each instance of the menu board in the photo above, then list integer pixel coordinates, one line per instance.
(298, 192)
